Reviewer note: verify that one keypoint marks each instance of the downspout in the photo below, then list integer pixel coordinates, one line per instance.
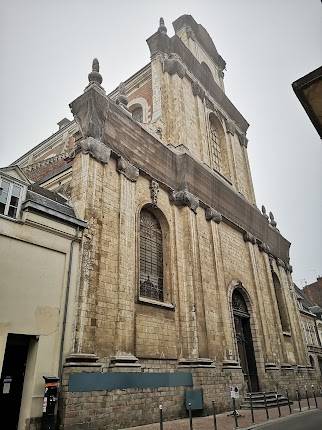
(74, 240)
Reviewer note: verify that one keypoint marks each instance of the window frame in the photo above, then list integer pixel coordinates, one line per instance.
(12, 182)
(167, 302)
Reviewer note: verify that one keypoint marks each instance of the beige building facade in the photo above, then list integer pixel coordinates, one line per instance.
(184, 283)
(39, 247)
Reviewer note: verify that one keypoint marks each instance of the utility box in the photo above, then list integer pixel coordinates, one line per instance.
(195, 397)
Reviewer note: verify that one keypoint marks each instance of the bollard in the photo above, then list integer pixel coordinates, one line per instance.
(299, 399)
(265, 401)
(235, 413)
(278, 405)
(316, 404)
(161, 417)
(288, 402)
(215, 418)
(190, 416)
(307, 398)
(251, 407)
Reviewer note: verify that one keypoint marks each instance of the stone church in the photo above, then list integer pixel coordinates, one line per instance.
(185, 285)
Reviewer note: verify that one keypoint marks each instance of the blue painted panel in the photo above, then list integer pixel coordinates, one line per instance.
(97, 381)
(195, 397)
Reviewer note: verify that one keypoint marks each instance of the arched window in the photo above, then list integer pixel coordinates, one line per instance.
(281, 303)
(151, 256)
(137, 112)
(217, 146)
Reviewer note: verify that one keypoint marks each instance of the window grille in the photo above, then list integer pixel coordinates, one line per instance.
(10, 194)
(137, 114)
(215, 147)
(151, 257)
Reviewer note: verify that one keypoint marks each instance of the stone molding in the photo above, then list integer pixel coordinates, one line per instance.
(213, 215)
(96, 149)
(196, 362)
(127, 169)
(184, 198)
(248, 237)
(173, 65)
(197, 90)
(125, 361)
(154, 191)
(230, 127)
(263, 247)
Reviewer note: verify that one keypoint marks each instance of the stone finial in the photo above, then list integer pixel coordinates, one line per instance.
(264, 212)
(273, 223)
(94, 75)
(162, 28)
(122, 99)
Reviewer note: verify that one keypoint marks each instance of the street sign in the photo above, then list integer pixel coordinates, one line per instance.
(234, 392)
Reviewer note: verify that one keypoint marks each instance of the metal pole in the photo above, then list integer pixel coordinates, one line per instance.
(265, 401)
(190, 416)
(288, 402)
(307, 398)
(235, 413)
(161, 417)
(251, 407)
(278, 405)
(299, 399)
(316, 405)
(215, 418)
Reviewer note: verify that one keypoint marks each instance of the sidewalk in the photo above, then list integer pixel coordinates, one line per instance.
(225, 422)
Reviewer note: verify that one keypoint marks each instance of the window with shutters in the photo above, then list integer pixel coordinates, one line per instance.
(151, 256)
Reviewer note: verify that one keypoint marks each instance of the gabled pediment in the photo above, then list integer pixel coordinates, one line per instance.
(15, 172)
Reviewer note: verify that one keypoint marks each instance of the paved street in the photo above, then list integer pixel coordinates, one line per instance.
(309, 420)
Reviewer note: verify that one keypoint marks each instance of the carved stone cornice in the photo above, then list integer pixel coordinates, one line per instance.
(127, 169)
(248, 237)
(173, 65)
(197, 90)
(288, 267)
(184, 198)
(96, 149)
(213, 215)
(280, 263)
(243, 140)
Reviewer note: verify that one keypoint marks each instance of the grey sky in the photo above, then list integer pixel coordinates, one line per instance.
(47, 47)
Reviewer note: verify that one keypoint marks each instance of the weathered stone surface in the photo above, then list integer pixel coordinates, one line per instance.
(127, 169)
(184, 198)
(213, 215)
(96, 149)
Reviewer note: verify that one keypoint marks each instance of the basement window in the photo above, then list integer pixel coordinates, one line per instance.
(10, 198)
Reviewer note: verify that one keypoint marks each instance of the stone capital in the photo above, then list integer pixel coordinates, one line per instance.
(96, 149)
(213, 215)
(184, 198)
(127, 169)
(248, 237)
(197, 90)
(173, 65)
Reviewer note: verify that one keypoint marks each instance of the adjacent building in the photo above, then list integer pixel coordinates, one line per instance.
(40, 240)
(184, 283)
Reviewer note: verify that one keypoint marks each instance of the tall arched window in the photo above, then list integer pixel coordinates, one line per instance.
(281, 303)
(151, 256)
(217, 146)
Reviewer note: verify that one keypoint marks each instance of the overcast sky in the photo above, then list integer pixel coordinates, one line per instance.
(47, 47)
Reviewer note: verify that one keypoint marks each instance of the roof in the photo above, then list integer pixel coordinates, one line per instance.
(308, 90)
(308, 306)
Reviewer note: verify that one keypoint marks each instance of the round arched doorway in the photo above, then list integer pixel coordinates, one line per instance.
(244, 340)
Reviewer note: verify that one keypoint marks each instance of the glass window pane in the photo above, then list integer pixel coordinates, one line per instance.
(14, 201)
(4, 189)
(12, 212)
(16, 190)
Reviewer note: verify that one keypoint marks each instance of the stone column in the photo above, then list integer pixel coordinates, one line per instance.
(230, 352)
(259, 309)
(124, 330)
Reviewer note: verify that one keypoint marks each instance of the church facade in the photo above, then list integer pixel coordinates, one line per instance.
(185, 284)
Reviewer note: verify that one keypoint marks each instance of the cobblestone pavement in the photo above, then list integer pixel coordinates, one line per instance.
(225, 422)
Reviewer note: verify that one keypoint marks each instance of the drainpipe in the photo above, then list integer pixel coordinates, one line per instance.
(74, 240)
